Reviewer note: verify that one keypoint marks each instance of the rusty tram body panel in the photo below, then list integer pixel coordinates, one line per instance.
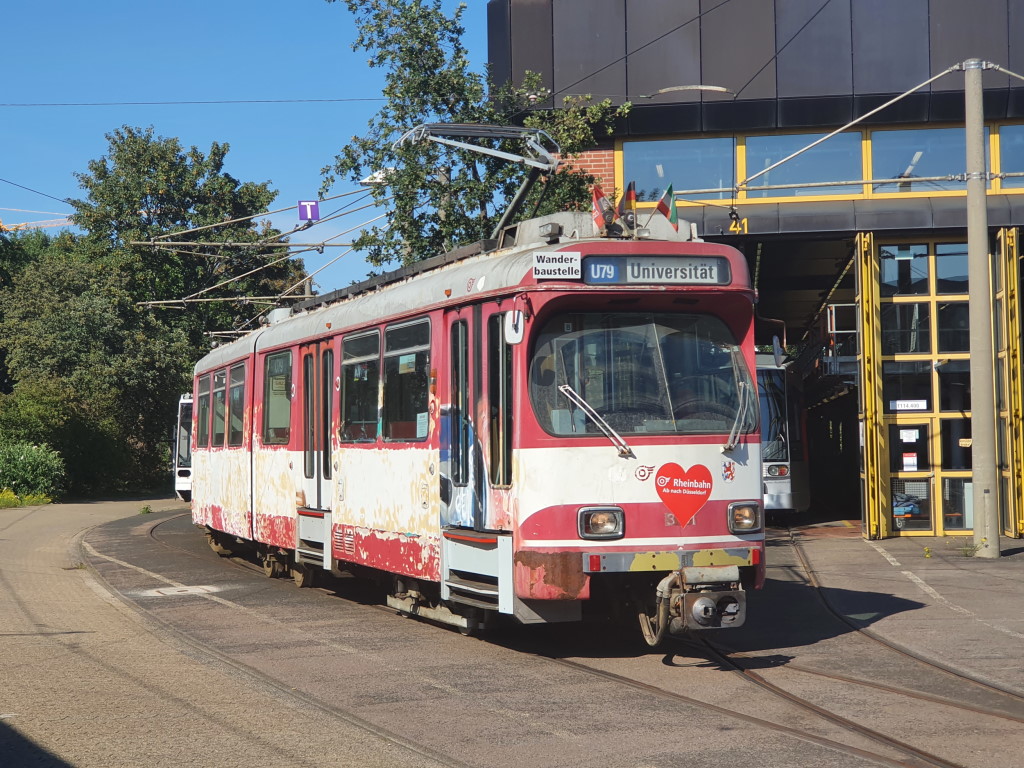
(564, 423)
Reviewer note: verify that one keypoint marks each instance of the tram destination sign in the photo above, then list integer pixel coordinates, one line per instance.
(656, 270)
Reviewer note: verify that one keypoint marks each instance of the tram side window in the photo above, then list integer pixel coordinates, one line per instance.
(499, 384)
(360, 379)
(236, 405)
(406, 381)
(219, 407)
(277, 396)
(203, 413)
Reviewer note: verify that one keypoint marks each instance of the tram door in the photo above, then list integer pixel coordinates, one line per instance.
(462, 474)
(317, 362)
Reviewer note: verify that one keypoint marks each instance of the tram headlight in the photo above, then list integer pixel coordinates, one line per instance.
(744, 516)
(601, 523)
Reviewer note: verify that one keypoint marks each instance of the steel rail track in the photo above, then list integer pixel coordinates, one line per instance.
(895, 647)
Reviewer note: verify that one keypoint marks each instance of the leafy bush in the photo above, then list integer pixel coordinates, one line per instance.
(31, 470)
(8, 499)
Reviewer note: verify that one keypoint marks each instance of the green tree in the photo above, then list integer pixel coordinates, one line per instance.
(439, 197)
(147, 186)
(95, 375)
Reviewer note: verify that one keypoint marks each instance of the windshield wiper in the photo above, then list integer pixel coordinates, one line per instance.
(576, 399)
(743, 390)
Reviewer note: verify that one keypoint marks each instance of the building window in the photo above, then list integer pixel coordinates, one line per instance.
(837, 159)
(907, 155)
(686, 163)
(907, 386)
(236, 405)
(903, 270)
(905, 329)
(955, 385)
(277, 398)
(953, 327)
(406, 381)
(360, 380)
(951, 268)
(1011, 154)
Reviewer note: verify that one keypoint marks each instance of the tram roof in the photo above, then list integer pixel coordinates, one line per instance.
(452, 278)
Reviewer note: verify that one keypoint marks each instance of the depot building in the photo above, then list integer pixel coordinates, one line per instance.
(857, 245)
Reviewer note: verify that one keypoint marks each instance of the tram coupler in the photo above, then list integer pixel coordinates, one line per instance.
(707, 597)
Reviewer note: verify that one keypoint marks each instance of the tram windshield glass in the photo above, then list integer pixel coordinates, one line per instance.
(184, 436)
(771, 386)
(642, 373)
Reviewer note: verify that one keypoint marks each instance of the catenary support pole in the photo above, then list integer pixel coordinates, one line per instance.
(983, 416)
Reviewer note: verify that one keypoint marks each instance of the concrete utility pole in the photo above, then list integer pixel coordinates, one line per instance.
(983, 413)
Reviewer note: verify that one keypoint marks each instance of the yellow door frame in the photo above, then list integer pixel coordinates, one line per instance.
(1013, 384)
(874, 469)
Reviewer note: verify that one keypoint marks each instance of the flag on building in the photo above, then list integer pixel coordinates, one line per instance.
(603, 212)
(627, 207)
(667, 207)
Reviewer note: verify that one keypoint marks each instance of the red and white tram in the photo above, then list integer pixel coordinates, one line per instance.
(559, 426)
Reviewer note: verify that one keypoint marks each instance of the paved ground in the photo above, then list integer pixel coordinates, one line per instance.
(972, 613)
(87, 681)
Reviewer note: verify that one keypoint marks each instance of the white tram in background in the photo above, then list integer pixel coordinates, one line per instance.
(182, 448)
(558, 426)
(784, 456)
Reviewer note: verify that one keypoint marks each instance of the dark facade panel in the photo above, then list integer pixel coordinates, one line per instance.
(532, 46)
(838, 216)
(499, 41)
(815, 48)
(892, 214)
(590, 49)
(910, 109)
(964, 30)
(890, 45)
(1015, 35)
(739, 116)
(663, 41)
(738, 48)
(667, 119)
(808, 113)
(761, 219)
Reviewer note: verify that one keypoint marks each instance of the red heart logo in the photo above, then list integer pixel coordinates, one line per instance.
(683, 492)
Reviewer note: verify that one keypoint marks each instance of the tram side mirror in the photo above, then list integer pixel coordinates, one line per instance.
(515, 326)
(780, 353)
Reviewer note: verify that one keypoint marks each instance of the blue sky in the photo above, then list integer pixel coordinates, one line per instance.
(68, 51)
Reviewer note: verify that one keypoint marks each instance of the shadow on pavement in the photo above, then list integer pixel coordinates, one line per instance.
(22, 752)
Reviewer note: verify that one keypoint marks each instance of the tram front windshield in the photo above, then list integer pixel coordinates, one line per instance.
(642, 373)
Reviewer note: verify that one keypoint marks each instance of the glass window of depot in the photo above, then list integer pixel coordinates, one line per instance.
(685, 163)
(903, 270)
(957, 503)
(1011, 154)
(907, 387)
(837, 159)
(905, 329)
(954, 385)
(908, 448)
(951, 268)
(955, 443)
(906, 156)
(912, 504)
(953, 328)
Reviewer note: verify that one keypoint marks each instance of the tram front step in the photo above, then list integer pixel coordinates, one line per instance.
(473, 589)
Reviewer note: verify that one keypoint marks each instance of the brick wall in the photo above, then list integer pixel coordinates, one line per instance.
(601, 163)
